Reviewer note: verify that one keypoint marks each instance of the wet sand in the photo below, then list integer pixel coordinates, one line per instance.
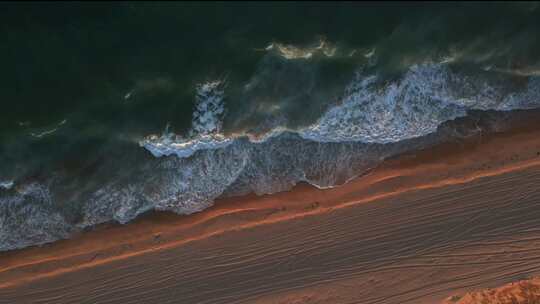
(421, 227)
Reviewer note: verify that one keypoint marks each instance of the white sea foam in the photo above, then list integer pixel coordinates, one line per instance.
(290, 52)
(370, 112)
(128, 95)
(412, 107)
(43, 133)
(49, 131)
(205, 126)
(7, 184)
(424, 98)
(170, 144)
(209, 108)
(29, 218)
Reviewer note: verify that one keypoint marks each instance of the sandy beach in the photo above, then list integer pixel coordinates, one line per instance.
(419, 228)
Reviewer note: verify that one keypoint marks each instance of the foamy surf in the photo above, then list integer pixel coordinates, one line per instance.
(7, 184)
(371, 111)
(293, 108)
(373, 119)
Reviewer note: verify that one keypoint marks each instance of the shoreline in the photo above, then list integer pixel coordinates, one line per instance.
(443, 165)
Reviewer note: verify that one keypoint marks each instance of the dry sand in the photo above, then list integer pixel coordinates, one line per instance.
(418, 229)
(522, 292)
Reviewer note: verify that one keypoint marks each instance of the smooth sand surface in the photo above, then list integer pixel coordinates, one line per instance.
(420, 228)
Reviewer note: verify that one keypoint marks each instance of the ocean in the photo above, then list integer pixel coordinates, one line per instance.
(111, 110)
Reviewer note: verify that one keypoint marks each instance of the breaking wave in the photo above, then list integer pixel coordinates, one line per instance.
(374, 118)
(370, 111)
(205, 128)
(415, 105)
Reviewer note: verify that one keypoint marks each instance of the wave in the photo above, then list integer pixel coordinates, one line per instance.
(206, 126)
(371, 111)
(375, 118)
(415, 105)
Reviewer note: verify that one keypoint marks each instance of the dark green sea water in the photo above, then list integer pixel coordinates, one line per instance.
(313, 92)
